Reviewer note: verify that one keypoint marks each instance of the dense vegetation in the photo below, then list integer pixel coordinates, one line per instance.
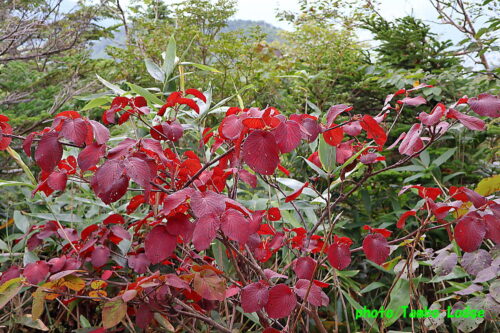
(203, 177)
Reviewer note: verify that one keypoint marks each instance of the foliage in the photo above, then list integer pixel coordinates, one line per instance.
(177, 238)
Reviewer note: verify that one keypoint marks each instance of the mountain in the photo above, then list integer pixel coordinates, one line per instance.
(99, 47)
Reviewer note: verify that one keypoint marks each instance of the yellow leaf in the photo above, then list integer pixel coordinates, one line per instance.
(10, 289)
(164, 322)
(38, 303)
(113, 313)
(488, 186)
(98, 284)
(416, 83)
(74, 282)
(98, 294)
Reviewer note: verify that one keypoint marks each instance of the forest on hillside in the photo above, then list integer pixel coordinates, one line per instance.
(165, 167)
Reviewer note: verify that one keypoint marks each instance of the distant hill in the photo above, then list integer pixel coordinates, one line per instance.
(99, 47)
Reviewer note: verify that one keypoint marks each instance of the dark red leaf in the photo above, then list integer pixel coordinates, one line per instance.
(49, 151)
(27, 143)
(231, 127)
(57, 181)
(492, 228)
(248, 178)
(376, 248)
(109, 182)
(101, 133)
(235, 226)
(254, 297)
(36, 272)
(485, 105)
(470, 232)
(90, 156)
(339, 254)
(287, 135)
(100, 256)
(134, 203)
(315, 297)
(304, 267)
(281, 301)
(205, 231)
(208, 202)
(140, 170)
(143, 316)
(261, 152)
(334, 112)
(74, 130)
(139, 262)
(159, 244)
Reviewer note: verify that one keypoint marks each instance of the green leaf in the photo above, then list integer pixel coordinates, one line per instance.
(169, 61)
(154, 70)
(425, 158)
(315, 167)
(96, 102)
(399, 298)
(357, 306)
(38, 304)
(21, 222)
(410, 168)
(202, 67)
(113, 312)
(117, 90)
(14, 183)
(327, 155)
(444, 157)
(21, 163)
(151, 98)
(9, 289)
(372, 286)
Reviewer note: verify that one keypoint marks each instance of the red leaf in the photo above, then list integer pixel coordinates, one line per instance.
(412, 142)
(376, 248)
(281, 301)
(470, 122)
(109, 182)
(288, 136)
(469, 233)
(413, 101)
(140, 171)
(208, 202)
(114, 219)
(36, 272)
(339, 255)
(485, 105)
(433, 118)
(49, 151)
(189, 102)
(315, 297)
(196, 93)
(492, 228)
(100, 256)
(134, 203)
(296, 193)
(139, 262)
(254, 297)
(90, 156)
(373, 129)
(402, 219)
(248, 178)
(170, 130)
(261, 152)
(274, 214)
(205, 231)
(235, 226)
(159, 244)
(333, 136)
(334, 112)
(26, 143)
(231, 127)
(176, 199)
(57, 181)
(74, 130)
(101, 133)
(5, 128)
(304, 267)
